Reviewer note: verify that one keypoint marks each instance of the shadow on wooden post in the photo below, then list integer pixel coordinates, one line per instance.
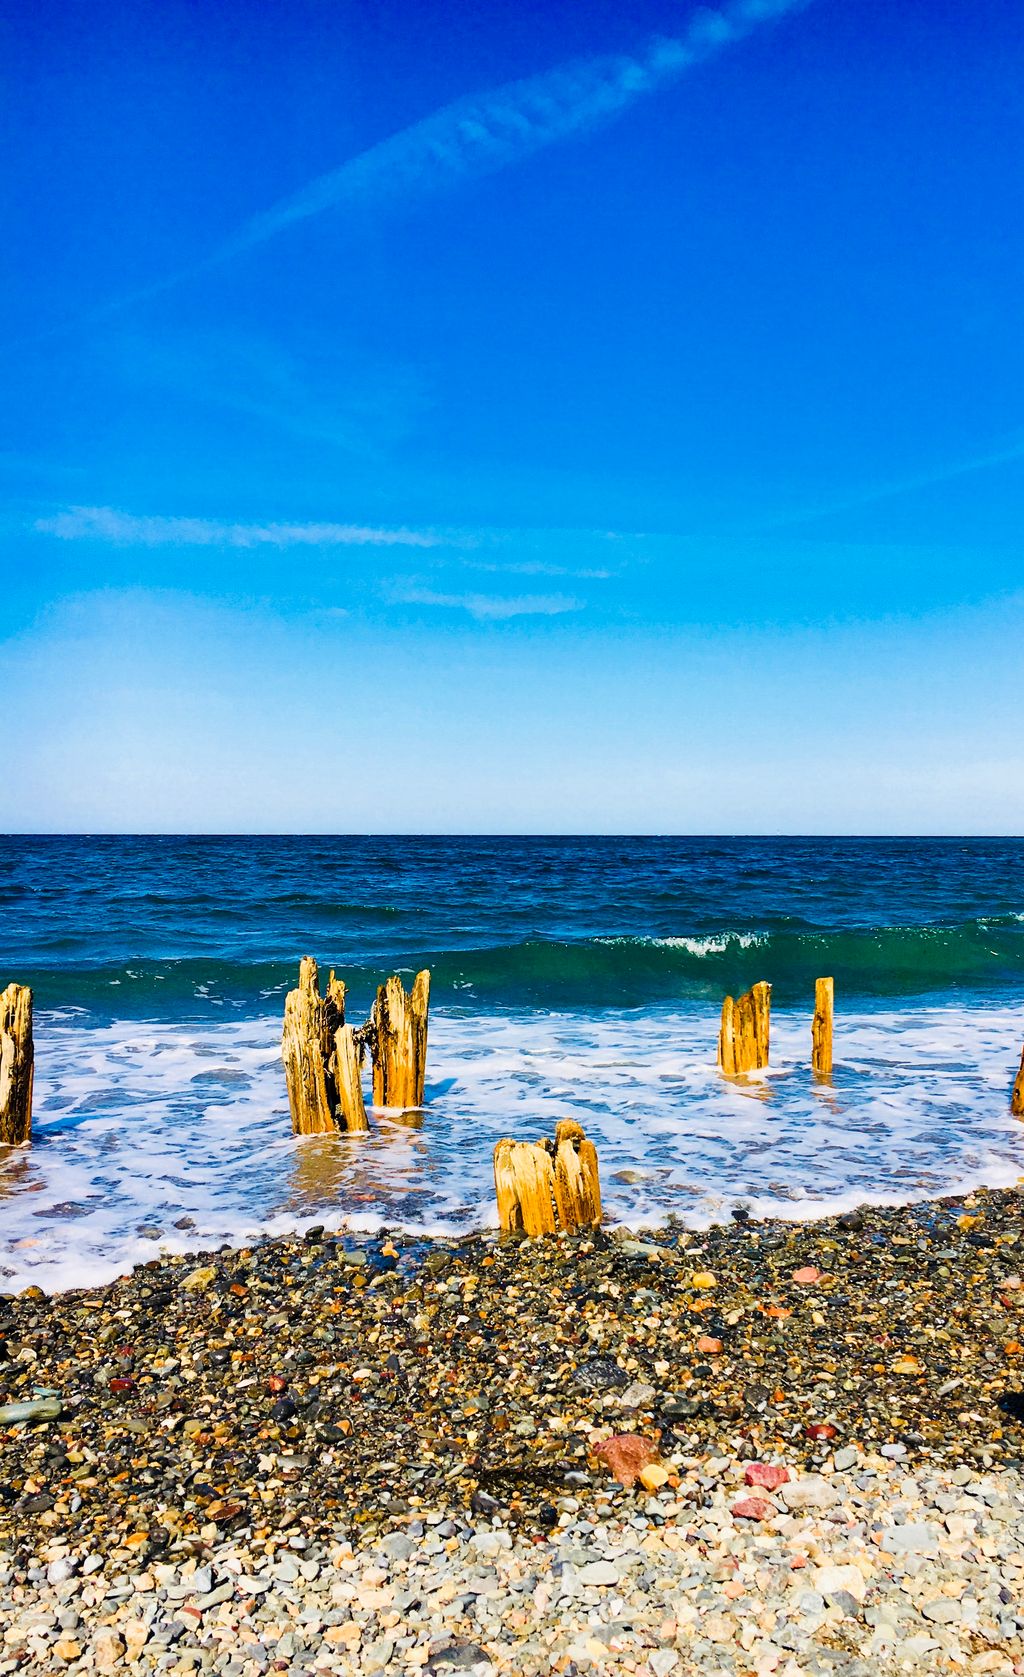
(548, 1188)
(16, 1065)
(1017, 1097)
(397, 1034)
(743, 1038)
(821, 1028)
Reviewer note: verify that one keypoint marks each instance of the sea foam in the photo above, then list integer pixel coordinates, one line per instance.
(155, 1137)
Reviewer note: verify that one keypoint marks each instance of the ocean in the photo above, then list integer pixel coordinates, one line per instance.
(569, 976)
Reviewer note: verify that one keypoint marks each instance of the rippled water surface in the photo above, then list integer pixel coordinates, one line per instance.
(579, 976)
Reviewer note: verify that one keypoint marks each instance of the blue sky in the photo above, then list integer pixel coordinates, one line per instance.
(524, 417)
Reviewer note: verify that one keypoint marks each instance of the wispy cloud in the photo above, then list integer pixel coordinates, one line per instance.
(130, 530)
(485, 132)
(489, 607)
(1008, 452)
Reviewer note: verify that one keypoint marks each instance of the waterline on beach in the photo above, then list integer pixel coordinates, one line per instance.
(160, 1136)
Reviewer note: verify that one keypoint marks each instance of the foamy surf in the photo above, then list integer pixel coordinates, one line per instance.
(164, 1137)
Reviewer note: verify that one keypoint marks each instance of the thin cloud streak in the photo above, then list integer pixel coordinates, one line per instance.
(489, 607)
(480, 134)
(129, 530)
(1005, 454)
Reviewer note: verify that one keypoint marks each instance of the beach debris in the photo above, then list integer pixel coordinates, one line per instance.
(1017, 1097)
(626, 1454)
(16, 1065)
(821, 1027)
(397, 1036)
(743, 1038)
(544, 1187)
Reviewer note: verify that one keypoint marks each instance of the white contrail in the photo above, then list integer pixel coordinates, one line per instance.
(478, 135)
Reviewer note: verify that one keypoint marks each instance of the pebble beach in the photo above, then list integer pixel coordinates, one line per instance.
(764, 1448)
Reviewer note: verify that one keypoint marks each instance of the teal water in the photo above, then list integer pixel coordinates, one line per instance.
(569, 975)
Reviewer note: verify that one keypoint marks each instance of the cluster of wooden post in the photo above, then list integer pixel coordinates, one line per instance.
(743, 1039)
(16, 1065)
(546, 1187)
(323, 1056)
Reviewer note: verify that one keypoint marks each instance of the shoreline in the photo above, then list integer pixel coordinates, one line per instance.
(306, 1396)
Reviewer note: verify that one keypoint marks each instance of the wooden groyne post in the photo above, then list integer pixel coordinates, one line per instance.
(322, 1057)
(821, 1028)
(743, 1038)
(1017, 1097)
(397, 1033)
(546, 1188)
(16, 1065)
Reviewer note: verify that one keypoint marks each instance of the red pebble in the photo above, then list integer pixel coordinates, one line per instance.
(276, 1383)
(753, 1508)
(765, 1474)
(807, 1277)
(122, 1384)
(626, 1454)
(821, 1429)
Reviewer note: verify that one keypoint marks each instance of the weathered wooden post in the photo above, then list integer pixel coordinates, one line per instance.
(821, 1028)
(577, 1188)
(542, 1187)
(16, 1065)
(743, 1038)
(524, 1181)
(397, 1033)
(322, 1057)
(1017, 1098)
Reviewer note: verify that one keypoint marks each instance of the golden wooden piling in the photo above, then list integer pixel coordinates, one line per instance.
(821, 1028)
(1017, 1097)
(305, 1049)
(577, 1188)
(346, 1065)
(16, 1065)
(543, 1188)
(398, 1042)
(743, 1037)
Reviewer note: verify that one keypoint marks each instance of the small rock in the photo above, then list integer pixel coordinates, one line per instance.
(637, 1396)
(199, 1279)
(809, 1492)
(599, 1572)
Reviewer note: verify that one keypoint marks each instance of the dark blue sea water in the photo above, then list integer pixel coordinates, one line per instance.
(170, 927)
(581, 975)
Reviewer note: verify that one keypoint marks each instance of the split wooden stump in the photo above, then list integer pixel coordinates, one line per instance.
(743, 1038)
(398, 1042)
(16, 1065)
(546, 1187)
(323, 1056)
(1017, 1097)
(821, 1028)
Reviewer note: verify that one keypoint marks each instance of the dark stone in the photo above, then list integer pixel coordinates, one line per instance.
(853, 1220)
(283, 1410)
(547, 1514)
(481, 1503)
(601, 1374)
(458, 1656)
